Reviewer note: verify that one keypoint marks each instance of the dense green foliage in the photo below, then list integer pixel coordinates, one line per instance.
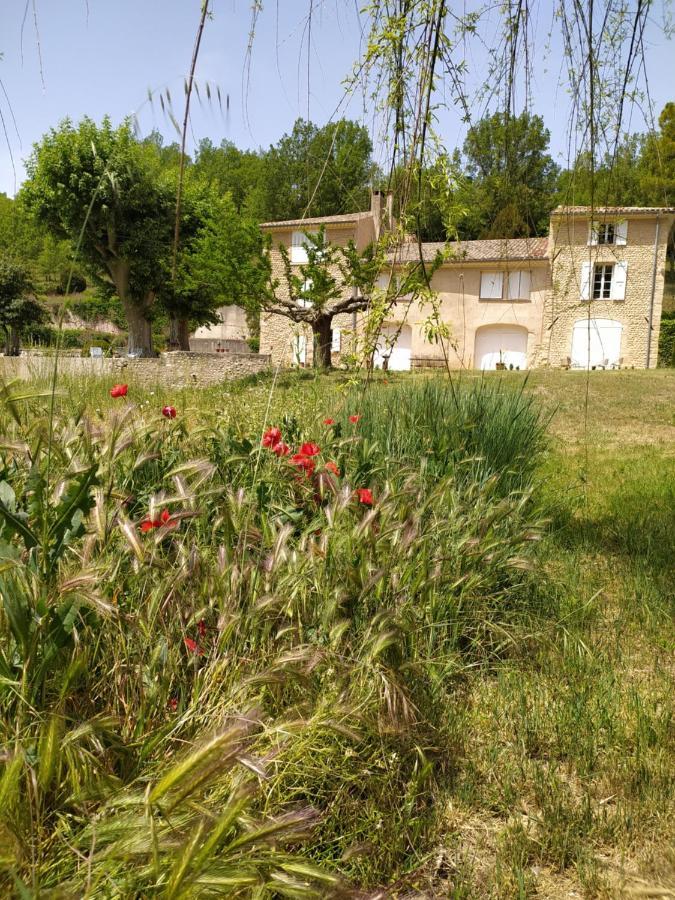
(667, 340)
(19, 309)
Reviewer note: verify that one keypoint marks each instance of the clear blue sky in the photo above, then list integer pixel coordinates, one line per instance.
(102, 56)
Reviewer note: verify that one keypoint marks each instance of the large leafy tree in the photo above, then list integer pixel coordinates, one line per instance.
(18, 307)
(511, 177)
(220, 263)
(237, 172)
(321, 171)
(99, 183)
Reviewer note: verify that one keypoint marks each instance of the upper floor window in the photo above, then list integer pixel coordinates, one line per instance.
(519, 285)
(603, 281)
(608, 233)
(491, 285)
(298, 249)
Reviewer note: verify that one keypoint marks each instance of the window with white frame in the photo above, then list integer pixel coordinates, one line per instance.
(304, 301)
(608, 233)
(518, 285)
(299, 240)
(491, 285)
(604, 281)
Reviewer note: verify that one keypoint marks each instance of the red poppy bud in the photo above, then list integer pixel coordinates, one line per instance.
(173, 704)
(306, 463)
(147, 526)
(329, 421)
(365, 496)
(281, 449)
(354, 419)
(119, 390)
(331, 467)
(169, 412)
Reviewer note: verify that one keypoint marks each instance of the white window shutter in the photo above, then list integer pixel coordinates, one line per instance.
(335, 340)
(491, 284)
(299, 350)
(298, 251)
(592, 236)
(518, 286)
(619, 275)
(621, 232)
(586, 274)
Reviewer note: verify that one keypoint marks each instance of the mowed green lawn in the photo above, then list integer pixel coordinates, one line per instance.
(559, 775)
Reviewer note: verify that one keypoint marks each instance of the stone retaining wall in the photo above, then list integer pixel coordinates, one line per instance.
(174, 369)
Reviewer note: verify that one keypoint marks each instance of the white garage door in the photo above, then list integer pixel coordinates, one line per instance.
(501, 344)
(596, 342)
(399, 354)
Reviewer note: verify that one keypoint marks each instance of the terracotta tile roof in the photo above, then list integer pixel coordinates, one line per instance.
(612, 210)
(339, 219)
(494, 250)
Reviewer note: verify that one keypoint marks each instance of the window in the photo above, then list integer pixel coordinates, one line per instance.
(518, 285)
(298, 250)
(608, 233)
(305, 302)
(491, 285)
(603, 281)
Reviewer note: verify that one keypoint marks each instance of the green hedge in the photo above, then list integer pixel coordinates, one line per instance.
(667, 340)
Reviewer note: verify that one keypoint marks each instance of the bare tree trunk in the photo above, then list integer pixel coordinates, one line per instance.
(179, 333)
(322, 342)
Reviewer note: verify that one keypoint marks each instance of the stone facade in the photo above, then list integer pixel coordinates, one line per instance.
(540, 325)
(177, 369)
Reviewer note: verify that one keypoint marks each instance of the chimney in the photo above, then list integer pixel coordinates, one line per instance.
(376, 199)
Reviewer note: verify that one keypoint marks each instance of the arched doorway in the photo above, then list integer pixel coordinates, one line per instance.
(505, 344)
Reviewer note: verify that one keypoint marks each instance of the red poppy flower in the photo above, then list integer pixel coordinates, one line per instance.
(329, 421)
(354, 419)
(281, 449)
(193, 646)
(169, 412)
(271, 437)
(365, 496)
(119, 390)
(303, 462)
(309, 449)
(149, 524)
(201, 628)
(166, 519)
(173, 704)
(331, 467)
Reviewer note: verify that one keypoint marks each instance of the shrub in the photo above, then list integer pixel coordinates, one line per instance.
(667, 340)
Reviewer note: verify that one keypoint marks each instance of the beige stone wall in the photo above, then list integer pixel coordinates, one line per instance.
(176, 369)
(565, 307)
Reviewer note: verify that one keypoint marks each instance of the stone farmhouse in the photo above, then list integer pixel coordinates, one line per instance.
(588, 295)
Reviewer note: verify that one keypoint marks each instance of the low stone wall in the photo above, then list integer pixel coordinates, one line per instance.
(175, 369)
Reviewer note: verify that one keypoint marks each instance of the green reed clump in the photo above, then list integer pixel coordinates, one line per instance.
(473, 428)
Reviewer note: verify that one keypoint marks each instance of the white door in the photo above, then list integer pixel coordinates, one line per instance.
(596, 342)
(398, 350)
(501, 343)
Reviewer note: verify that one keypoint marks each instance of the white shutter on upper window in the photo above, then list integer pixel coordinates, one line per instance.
(619, 276)
(335, 340)
(518, 285)
(621, 232)
(491, 285)
(586, 273)
(593, 228)
(298, 251)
